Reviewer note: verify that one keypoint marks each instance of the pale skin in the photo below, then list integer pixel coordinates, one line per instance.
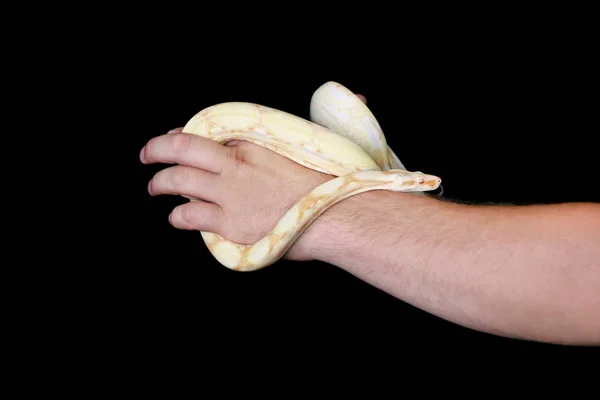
(526, 272)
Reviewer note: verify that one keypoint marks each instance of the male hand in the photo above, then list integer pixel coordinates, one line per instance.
(238, 190)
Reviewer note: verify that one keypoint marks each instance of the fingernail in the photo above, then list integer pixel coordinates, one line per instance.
(142, 154)
(173, 131)
(150, 187)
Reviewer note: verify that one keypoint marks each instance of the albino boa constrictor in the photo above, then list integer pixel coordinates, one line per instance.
(344, 139)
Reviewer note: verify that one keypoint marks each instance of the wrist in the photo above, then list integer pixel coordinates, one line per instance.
(352, 227)
(332, 231)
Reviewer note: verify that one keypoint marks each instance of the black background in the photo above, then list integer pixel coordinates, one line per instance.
(501, 117)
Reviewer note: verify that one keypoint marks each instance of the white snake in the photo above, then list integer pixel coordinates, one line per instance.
(344, 139)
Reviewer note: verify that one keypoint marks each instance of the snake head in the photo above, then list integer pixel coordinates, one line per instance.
(414, 181)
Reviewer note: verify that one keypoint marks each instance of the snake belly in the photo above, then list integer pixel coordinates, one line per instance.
(342, 139)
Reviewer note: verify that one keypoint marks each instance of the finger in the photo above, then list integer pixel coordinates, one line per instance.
(186, 181)
(362, 98)
(198, 215)
(186, 149)
(176, 130)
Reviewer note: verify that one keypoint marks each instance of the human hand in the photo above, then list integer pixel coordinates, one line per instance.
(238, 190)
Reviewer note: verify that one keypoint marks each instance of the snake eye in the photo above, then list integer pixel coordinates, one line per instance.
(421, 181)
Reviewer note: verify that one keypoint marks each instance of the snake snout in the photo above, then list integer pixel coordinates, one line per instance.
(431, 181)
(435, 182)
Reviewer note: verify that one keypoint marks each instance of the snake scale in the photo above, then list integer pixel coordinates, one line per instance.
(342, 139)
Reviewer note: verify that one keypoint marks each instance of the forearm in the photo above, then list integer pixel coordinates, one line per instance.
(531, 272)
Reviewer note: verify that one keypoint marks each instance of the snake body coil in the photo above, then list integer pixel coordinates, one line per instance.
(342, 139)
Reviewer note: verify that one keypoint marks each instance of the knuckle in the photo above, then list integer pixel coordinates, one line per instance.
(213, 218)
(188, 216)
(181, 143)
(179, 177)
